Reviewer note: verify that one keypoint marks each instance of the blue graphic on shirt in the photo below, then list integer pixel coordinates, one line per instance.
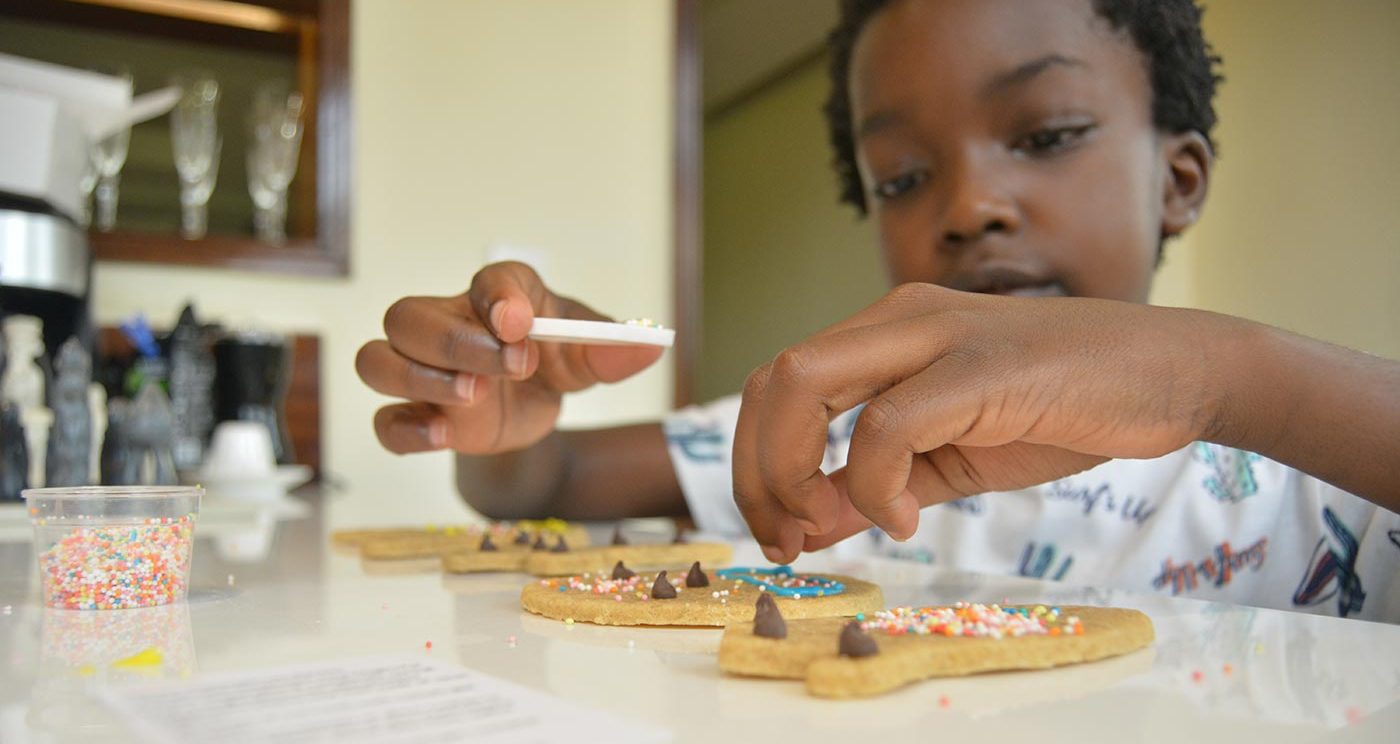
(1101, 498)
(698, 443)
(1332, 572)
(967, 505)
(1036, 563)
(1233, 478)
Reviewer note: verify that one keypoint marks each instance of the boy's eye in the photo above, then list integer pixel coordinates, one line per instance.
(1051, 140)
(901, 184)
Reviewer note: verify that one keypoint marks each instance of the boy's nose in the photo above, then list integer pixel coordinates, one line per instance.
(976, 209)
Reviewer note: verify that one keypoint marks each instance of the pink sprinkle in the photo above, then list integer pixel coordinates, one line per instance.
(510, 640)
(1354, 715)
(943, 701)
(428, 645)
(1198, 676)
(1228, 670)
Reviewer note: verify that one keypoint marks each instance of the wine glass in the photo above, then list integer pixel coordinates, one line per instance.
(108, 155)
(276, 127)
(194, 137)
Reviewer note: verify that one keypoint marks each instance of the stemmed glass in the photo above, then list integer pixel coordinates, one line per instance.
(108, 156)
(194, 136)
(275, 125)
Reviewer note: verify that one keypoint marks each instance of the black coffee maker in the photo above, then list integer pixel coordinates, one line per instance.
(252, 372)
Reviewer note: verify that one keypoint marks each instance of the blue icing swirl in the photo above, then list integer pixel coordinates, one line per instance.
(817, 586)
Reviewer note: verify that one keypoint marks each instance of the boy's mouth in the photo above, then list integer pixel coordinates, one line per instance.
(1009, 282)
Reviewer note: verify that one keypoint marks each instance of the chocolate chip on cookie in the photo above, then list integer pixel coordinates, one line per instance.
(767, 620)
(855, 643)
(662, 588)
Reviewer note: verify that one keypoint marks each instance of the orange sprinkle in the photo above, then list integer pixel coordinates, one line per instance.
(1054, 631)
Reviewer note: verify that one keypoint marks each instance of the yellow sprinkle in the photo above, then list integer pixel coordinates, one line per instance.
(450, 531)
(87, 670)
(568, 621)
(149, 657)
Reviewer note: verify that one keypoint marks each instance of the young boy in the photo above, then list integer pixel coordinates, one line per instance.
(1040, 150)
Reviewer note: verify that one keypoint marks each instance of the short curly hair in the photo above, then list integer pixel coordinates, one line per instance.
(1181, 64)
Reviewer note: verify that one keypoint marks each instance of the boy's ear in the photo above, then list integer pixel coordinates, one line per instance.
(1189, 162)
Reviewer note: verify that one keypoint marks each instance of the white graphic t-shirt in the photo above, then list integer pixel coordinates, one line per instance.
(1206, 521)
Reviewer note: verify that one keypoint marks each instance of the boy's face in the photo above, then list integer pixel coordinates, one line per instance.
(1008, 146)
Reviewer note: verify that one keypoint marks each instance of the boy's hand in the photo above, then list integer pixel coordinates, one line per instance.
(967, 393)
(475, 383)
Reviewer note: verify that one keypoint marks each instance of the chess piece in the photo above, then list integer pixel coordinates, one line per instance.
(23, 385)
(70, 437)
(191, 390)
(140, 435)
(117, 468)
(14, 453)
(23, 381)
(151, 431)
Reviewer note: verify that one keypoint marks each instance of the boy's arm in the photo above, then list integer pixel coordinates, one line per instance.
(597, 474)
(971, 393)
(1326, 410)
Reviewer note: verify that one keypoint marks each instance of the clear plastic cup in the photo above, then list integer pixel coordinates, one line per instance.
(113, 547)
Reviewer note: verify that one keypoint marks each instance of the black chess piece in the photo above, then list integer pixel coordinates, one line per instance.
(117, 469)
(191, 390)
(14, 453)
(140, 435)
(70, 437)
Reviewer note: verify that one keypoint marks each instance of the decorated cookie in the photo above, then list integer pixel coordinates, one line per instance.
(624, 597)
(881, 651)
(394, 544)
(555, 562)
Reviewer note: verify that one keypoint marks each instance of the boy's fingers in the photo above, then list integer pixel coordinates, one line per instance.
(925, 483)
(506, 297)
(410, 427)
(777, 533)
(819, 378)
(426, 330)
(388, 372)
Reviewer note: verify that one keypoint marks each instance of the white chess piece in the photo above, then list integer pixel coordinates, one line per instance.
(24, 379)
(23, 385)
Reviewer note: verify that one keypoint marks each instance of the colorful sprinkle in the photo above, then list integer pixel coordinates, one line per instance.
(943, 701)
(1198, 676)
(428, 645)
(970, 621)
(117, 567)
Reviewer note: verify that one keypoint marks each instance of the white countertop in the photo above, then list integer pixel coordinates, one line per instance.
(1217, 673)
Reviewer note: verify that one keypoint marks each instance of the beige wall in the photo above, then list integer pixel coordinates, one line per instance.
(782, 259)
(523, 122)
(1302, 229)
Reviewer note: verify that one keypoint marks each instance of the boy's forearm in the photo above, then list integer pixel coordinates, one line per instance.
(1329, 411)
(598, 474)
